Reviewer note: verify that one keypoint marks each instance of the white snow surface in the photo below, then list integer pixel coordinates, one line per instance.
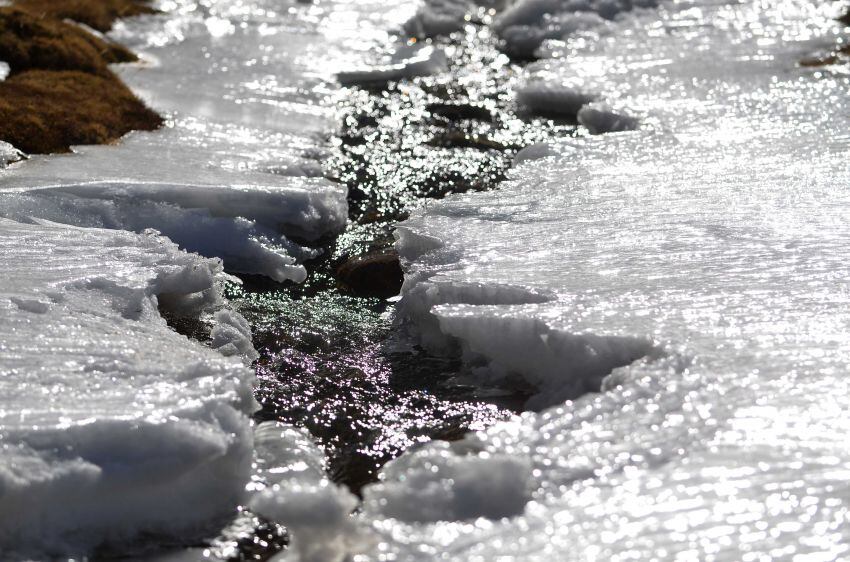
(704, 255)
(111, 423)
(406, 61)
(293, 490)
(236, 171)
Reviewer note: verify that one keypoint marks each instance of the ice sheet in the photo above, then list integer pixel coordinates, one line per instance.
(712, 242)
(236, 171)
(111, 423)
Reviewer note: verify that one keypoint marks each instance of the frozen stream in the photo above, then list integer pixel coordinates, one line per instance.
(670, 300)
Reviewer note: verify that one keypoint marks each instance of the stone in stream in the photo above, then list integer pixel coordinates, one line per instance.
(376, 274)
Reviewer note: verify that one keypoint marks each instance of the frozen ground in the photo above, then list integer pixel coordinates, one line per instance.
(704, 254)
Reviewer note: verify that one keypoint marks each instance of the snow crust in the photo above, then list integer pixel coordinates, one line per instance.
(406, 61)
(111, 423)
(297, 493)
(236, 172)
(8, 154)
(704, 254)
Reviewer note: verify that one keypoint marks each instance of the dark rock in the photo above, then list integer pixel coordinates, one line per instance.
(376, 274)
(457, 111)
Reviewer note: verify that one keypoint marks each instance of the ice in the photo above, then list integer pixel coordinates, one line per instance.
(525, 24)
(552, 99)
(704, 253)
(406, 61)
(111, 423)
(439, 17)
(236, 171)
(156, 180)
(8, 154)
(297, 493)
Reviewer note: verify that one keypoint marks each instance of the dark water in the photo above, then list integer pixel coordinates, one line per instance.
(331, 360)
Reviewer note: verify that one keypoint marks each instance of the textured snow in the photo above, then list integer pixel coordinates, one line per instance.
(8, 154)
(406, 61)
(236, 172)
(155, 180)
(111, 423)
(711, 242)
(295, 492)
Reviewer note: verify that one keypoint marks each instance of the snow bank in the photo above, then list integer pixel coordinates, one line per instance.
(713, 243)
(236, 171)
(406, 61)
(112, 424)
(150, 181)
(295, 492)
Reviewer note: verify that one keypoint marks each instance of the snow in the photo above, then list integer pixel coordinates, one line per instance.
(236, 171)
(113, 426)
(112, 423)
(552, 99)
(158, 180)
(296, 493)
(701, 259)
(406, 61)
(8, 154)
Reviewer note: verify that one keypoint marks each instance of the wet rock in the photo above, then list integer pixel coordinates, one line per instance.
(457, 111)
(376, 274)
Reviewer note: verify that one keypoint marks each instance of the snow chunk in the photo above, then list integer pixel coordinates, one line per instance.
(9, 154)
(552, 99)
(600, 118)
(526, 24)
(439, 17)
(297, 494)
(406, 61)
(441, 481)
(107, 412)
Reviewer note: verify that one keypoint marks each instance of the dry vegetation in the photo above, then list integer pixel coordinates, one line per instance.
(98, 14)
(60, 91)
(29, 42)
(45, 111)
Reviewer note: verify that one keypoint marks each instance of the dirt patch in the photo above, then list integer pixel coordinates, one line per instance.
(28, 42)
(97, 14)
(48, 111)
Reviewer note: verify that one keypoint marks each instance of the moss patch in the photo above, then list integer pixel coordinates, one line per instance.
(48, 111)
(28, 42)
(98, 14)
(60, 91)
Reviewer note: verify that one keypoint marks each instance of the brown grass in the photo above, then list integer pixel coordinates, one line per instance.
(98, 14)
(28, 42)
(48, 111)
